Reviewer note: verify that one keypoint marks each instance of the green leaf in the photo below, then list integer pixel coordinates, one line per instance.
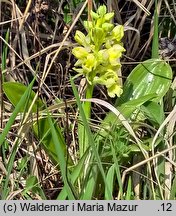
(153, 111)
(76, 173)
(31, 182)
(33, 185)
(110, 180)
(89, 135)
(90, 182)
(63, 163)
(128, 108)
(151, 76)
(42, 131)
(117, 169)
(128, 195)
(14, 92)
(148, 81)
(41, 128)
(19, 105)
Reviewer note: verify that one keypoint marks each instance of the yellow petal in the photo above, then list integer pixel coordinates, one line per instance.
(118, 32)
(115, 90)
(79, 52)
(115, 52)
(90, 61)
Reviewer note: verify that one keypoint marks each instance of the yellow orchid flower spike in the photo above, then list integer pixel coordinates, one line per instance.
(99, 51)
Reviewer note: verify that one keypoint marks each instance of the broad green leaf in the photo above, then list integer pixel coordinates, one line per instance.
(42, 130)
(153, 111)
(14, 92)
(153, 76)
(126, 109)
(63, 163)
(19, 105)
(130, 106)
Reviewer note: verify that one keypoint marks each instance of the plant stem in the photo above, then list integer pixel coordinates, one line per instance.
(83, 137)
(87, 105)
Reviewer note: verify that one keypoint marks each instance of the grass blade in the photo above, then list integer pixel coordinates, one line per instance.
(90, 136)
(58, 142)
